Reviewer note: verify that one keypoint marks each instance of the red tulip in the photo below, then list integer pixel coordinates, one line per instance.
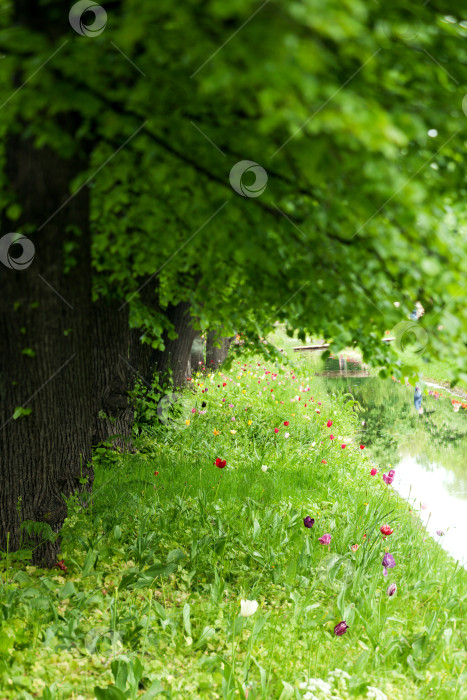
(362, 447)
(220, 463)
(276, 430)
(374, 472)
(386, 530)
(329, 423)
(331, 437)
(343, 447)
(286, 422)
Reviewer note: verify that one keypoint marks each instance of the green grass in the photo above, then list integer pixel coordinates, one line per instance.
(149, 606)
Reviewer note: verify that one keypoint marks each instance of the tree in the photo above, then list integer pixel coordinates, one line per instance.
(353, 114)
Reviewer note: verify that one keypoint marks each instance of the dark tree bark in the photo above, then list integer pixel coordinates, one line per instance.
(113, 378)
(215, 356)
(46, 367)
(175, 357)
(142, 355)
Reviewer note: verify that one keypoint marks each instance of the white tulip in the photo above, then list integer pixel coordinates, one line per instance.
(248, 607)
(264, 468)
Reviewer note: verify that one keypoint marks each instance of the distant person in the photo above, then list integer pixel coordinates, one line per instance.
(417, 399)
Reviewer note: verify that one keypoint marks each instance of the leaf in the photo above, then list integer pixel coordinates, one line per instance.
(291, 571)
(20, 411)
(111, 693)
(175, 555)
(89, 562)
(287, 692)
(154, 690)
(256, 528)
(68, 590)
(420, 676)
(6, 642)
(205, 636)
(186, 619)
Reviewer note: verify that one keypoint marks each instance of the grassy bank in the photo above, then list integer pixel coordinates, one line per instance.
(149, 605)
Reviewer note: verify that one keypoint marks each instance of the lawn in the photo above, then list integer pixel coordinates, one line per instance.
(147, 602)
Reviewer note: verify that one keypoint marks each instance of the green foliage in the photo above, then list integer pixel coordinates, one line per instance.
(355, 114)
(157, 568)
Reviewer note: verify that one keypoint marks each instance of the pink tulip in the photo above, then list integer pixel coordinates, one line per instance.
(325, 539)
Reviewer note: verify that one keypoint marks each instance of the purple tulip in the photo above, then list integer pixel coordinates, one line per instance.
(440, 533)
(308, 521)
(388, 562)
(341, 628)
(325, 539)
(391, 589)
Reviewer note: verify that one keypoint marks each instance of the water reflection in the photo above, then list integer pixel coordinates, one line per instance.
(428, 451)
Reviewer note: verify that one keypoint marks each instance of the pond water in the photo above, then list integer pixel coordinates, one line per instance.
(428, 452)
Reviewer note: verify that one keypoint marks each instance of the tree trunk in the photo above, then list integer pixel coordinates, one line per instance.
(215, 356)
(46, 366)
(112, 374)
(175, 357)
(142, 355)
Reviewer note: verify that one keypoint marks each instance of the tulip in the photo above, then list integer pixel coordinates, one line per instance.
(374, 472)
(220, 463)
(286, 422)
(308, 521)
(388, 478)
(323, 461)
(341, 628)
(354, 547)
(391, 589)
(386, 530)
(276, 430)
(331, 437)
(362, 447)
(264, 468)
(388, 563)
(286, 435)
(343, 447)
(248, 607)
(329, 423)
(440, 533)
(156, 473)
(325, 539)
